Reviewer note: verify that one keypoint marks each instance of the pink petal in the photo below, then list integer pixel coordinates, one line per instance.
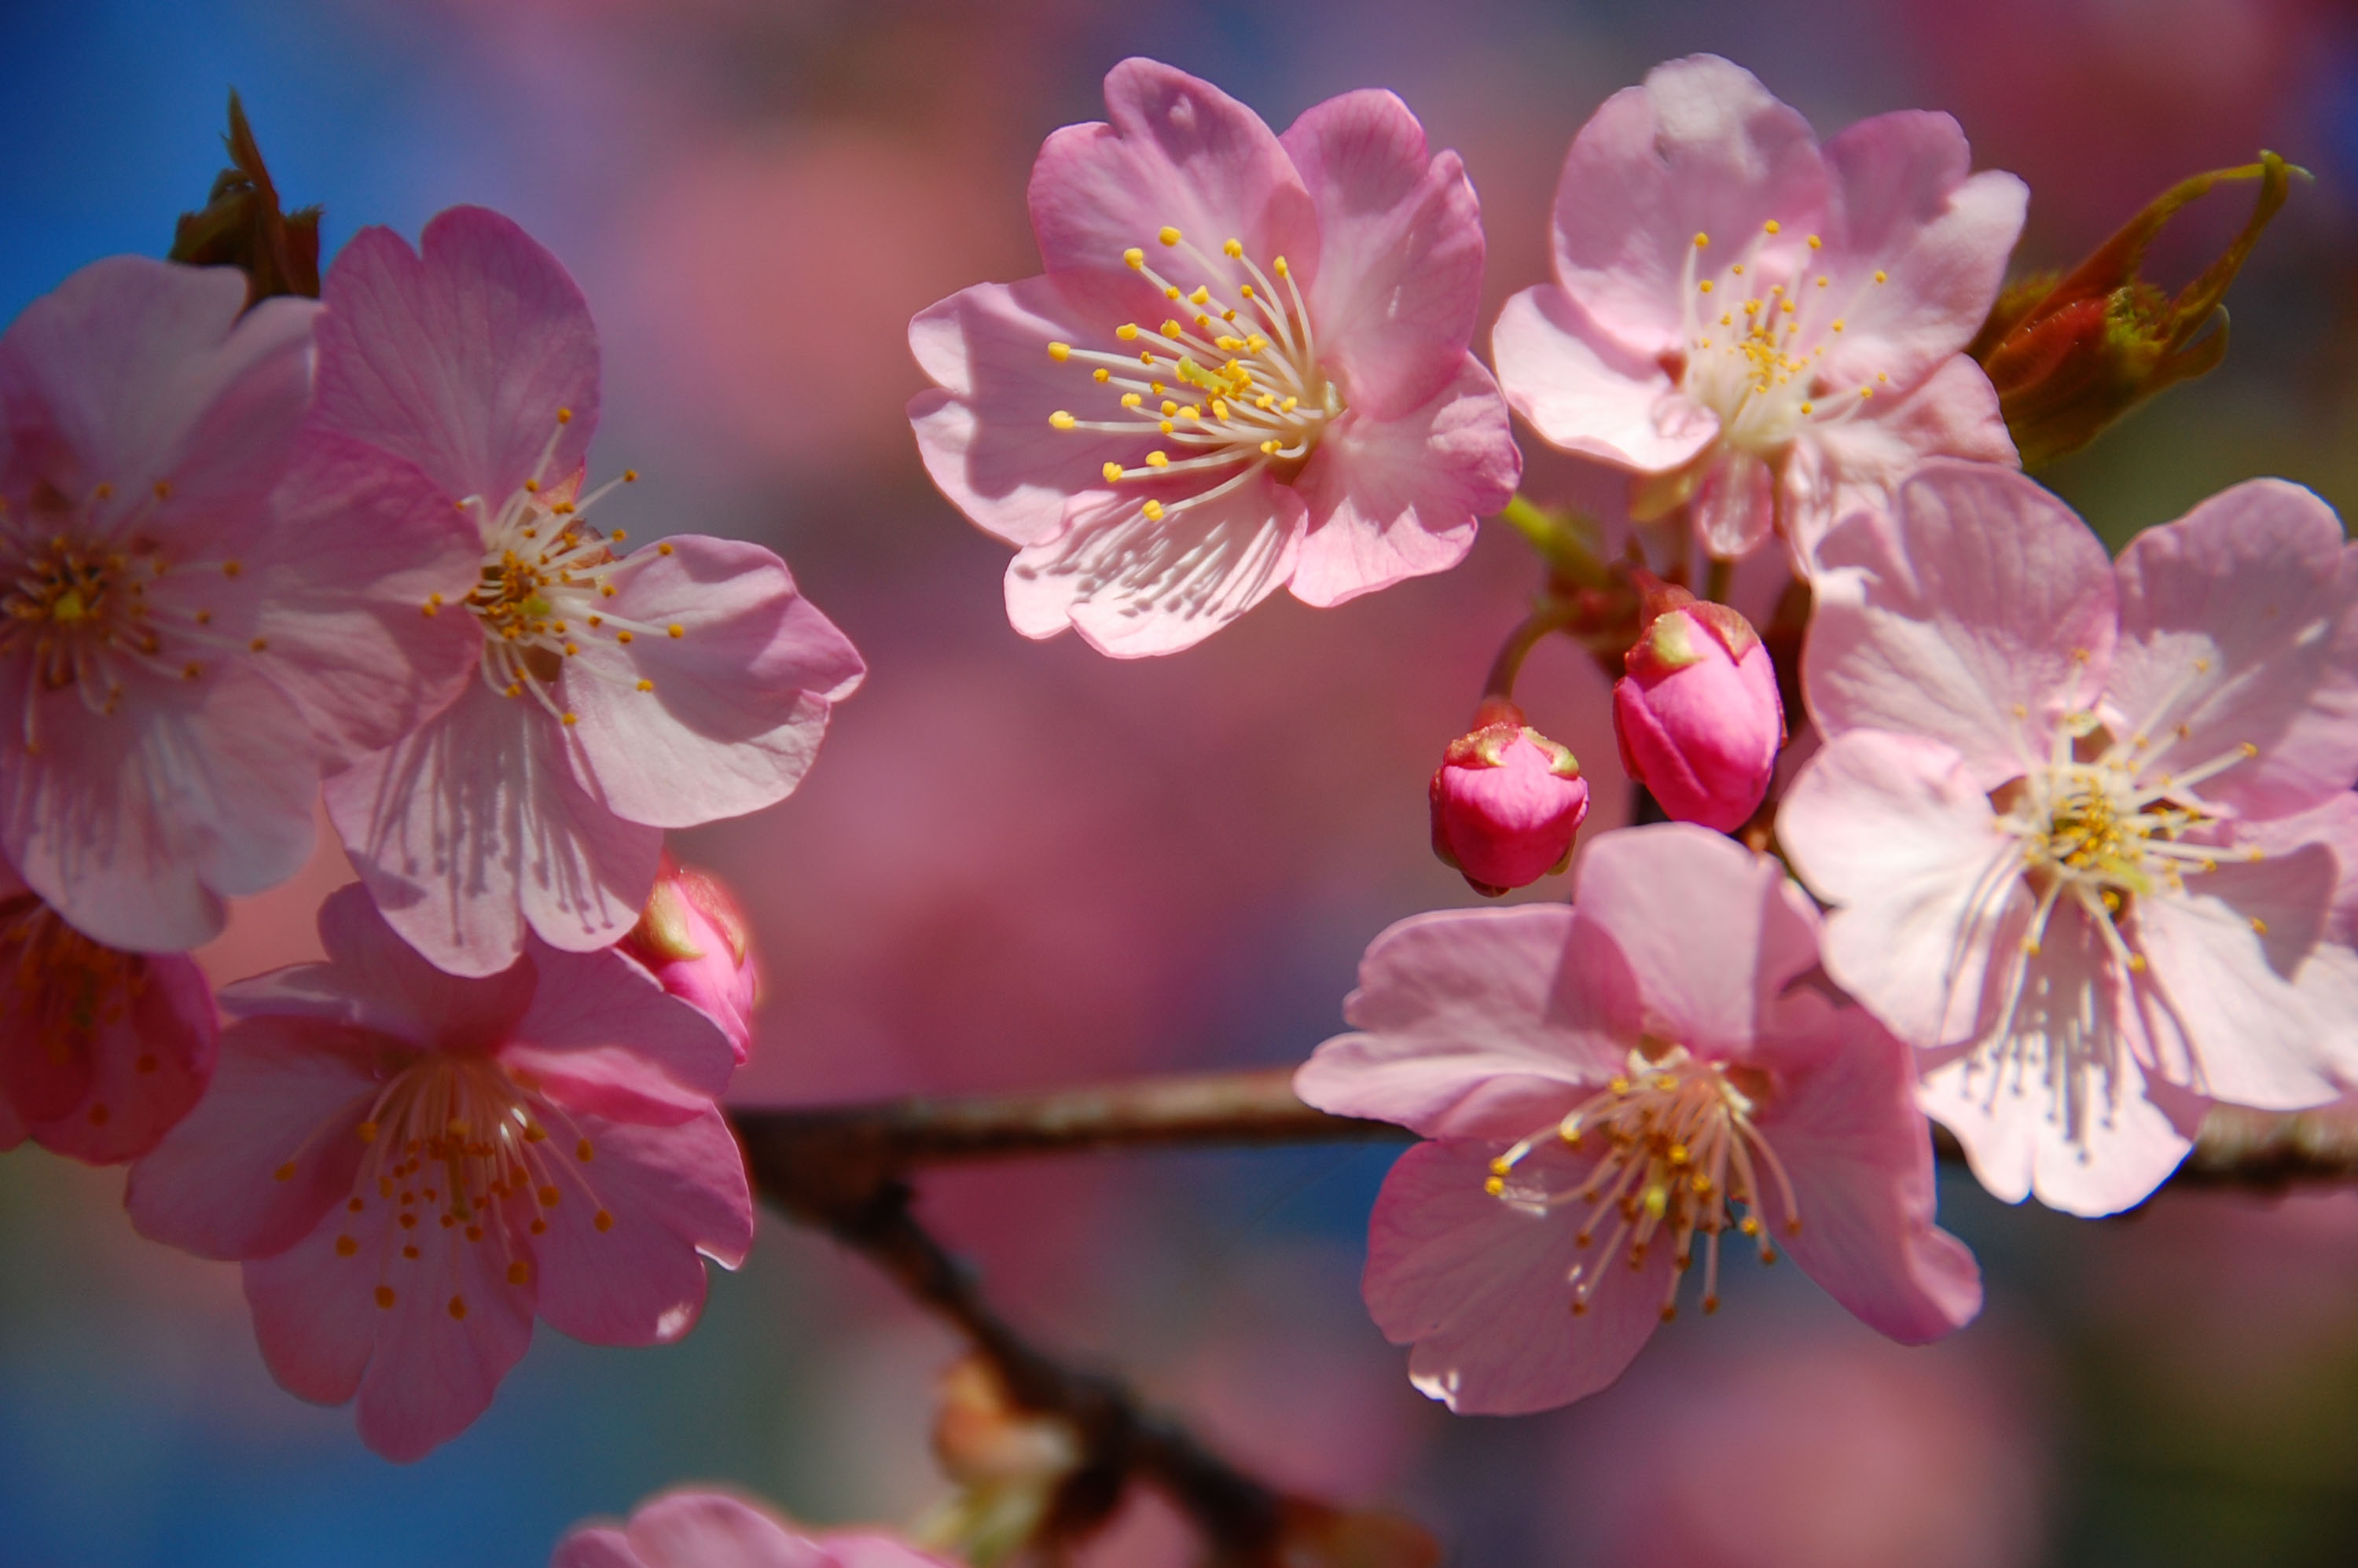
(431, 1371)
(863, 1551)
(2240, 622)
(287, 1092)
(1908, 206)
(145, 1067)
(473, 828)
(2059, 1105)
(1835, 470)
(134, 370)
(1712, 933)
(712, 1529)
(1861, 1160)
(134, 826)
(1391, 500)
(1478, 1023)
(2225, 961)
(1133, 588)
(984, 434)
(666, 1194)
(1177, 152)
(588, 1001)
(595, 1546)
(1736, 504)
(1400, 265)
(1983, 610)
(365, 545)
(1585, 392)
(1483, 1287)
(739, 701)
(458, 359)
(1893, 831)
(1700, 148)
(315, 1312)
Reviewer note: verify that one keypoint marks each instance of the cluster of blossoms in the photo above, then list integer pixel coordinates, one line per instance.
(257, 553)
(2069, 854)
(2076, 844)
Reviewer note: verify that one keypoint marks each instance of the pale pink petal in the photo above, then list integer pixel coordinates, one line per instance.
(1482, 1286)
(859, 1549)
(1134, 588)
(2239, 623)
(588, 1002)
(734, 706)
(134, 826)
(1400, 265)
(473, 828)
(1736, 504)
(595, 1546)
(1713, 932)
(1583, 392)
(1478, 1023)
(984, 433)
(136, 371)
(712, 1529)
(1909, 208)
(460, 358)
(1983, 610)
(1835, 469)
(441, 1350)
(1175, 152)
(1394, 498)
(1894, 832)
(1861, 1159)
(365, 546)
(619, 1264)
(287, 1092)
(2058, 1105)
(2225, 960)
(314, 1304)
(1702, 148)
(148, 1061)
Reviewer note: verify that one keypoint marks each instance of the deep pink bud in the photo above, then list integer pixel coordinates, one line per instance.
(1697, 716)
(692, 935)
(1505, 802)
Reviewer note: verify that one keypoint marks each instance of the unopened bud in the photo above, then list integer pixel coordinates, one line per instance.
(1008, 1463)
(692, 936)
(1697, 717)
(1505, 802)
(2070, 355)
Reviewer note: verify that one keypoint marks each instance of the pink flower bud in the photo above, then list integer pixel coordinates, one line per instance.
(1505, 802)
(692, 935)
(1697, 716)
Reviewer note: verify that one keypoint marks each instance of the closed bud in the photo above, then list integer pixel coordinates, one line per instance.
(692, 936)
(1505, 802)
(1697, 717)
(2070, 355)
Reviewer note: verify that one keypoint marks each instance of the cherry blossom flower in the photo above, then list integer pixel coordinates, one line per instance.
(692, 937)
(199, 607)
(694, 1528)
(1697, 718)
(2084, 822)
(1607, 1084)
(1505, 802)
(1245, 367)
(100, 1050)
(1755, 325)
(411, 1164)
(619, 694)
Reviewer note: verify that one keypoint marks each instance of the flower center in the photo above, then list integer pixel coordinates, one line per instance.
(2104, 823)
(1227, 386)
(1755, 339)
(1675, 1147)
(460, 1147)
(83, 600)
(540, 592)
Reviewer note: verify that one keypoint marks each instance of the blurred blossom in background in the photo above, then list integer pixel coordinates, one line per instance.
(1019, 863)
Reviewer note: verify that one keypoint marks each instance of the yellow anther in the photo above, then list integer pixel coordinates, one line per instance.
(569, 720)
(1134, 256)
(1881, 276)
(1167, 426)
(1289, 405)
(630, 476)
(1233, 249)
(1168, 407)
(1817, 244)
(2137, 963)
(2259, 927)
(646, 685)
(2247, 749)
(1153, 511)
(1171, 329)
(1169, 235)
(1494, 1185)
(1245, 289)
(1838, 323)
(1704, 285)
(1807, 408)
(1220, 411)
(1061, 420)
(1101, 375)
(1127, 332)
(1131, 400)
(1279, 267)
(1702, 241)
(1772, 226)
(384, 1297)
(1268, 448)
(1060, 352)
(1202, 295)
(1112, 472)
(1158, 459)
